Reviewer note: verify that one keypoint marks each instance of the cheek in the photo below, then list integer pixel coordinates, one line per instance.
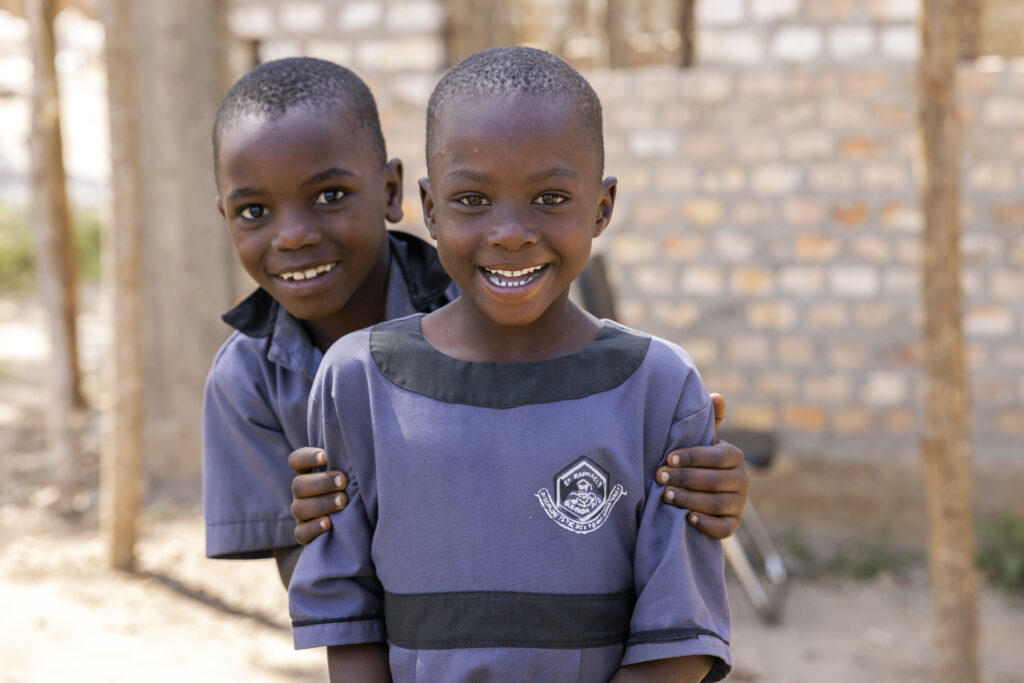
(249, 248)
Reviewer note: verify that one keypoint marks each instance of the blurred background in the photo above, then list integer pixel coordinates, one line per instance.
(769, 220)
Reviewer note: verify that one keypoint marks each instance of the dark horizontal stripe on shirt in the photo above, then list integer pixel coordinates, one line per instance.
(347, 620)
(438, 621)
(406, 358)
(668, 635)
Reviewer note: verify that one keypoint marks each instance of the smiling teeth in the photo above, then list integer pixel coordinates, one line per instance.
(307, 274)
(497, 276)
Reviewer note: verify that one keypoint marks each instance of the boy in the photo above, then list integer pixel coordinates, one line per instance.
(557, 560)
(305, 190)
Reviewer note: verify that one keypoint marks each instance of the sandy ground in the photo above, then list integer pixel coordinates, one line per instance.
(181, 617)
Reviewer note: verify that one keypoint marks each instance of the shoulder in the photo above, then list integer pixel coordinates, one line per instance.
(239, 356)
(346, 358)
(668, 367)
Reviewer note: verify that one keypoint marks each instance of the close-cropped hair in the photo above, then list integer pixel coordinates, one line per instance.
(509, 71)
(274, 88)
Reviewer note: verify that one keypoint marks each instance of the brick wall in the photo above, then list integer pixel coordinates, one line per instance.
(768, 221)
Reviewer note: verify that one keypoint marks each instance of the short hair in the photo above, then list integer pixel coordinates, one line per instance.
(273, 88)
(505, 71)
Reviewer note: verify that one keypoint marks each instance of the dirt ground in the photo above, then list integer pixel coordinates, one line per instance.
(181, 617)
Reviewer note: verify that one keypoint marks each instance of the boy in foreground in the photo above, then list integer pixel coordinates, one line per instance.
(306, 190)
(555, 560)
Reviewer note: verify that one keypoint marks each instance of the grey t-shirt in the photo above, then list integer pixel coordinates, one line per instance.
(503, 520)
(254, 407)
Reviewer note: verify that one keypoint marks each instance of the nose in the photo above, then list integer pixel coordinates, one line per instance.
(511, 231)
(295, 230)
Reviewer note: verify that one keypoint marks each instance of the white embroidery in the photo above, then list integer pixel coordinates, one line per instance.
(582, 501)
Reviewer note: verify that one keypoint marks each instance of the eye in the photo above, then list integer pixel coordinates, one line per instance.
(473, 200)
(253, 211)
(550, 199)
(329, 196)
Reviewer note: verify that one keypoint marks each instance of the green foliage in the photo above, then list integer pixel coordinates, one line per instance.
(17, 251)
(867, 557)
(1001, 551)
(18, 248)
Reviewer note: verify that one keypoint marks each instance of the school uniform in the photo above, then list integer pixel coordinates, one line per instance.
(254, 407)
(503, 521)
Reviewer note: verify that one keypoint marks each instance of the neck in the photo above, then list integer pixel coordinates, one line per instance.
(466, 333)
(365, 307)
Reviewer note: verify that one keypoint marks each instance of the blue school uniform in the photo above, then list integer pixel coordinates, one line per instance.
(504, 522)
(254, 408)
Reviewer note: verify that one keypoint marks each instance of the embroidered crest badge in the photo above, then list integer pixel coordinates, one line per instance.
(582, 501)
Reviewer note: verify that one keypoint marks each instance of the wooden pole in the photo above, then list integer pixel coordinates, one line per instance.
(688, 32)
(56, 266)
(121, 466)
(944, 446)
(970, 26)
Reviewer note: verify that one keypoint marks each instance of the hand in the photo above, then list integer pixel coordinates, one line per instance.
(314, 494)
(710, 481)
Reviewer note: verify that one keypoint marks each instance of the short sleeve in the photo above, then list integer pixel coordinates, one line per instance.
(682, 608)
(246, 479)
(334, 596)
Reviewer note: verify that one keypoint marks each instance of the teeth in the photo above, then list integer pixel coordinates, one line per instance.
(504, 278)
(515, 273)
(307, 274)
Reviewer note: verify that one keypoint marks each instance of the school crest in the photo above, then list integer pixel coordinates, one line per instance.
(582, 500)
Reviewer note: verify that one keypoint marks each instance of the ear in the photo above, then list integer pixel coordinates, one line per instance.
(220, 206)
(605, 204)
(427, 200)
(393, 190)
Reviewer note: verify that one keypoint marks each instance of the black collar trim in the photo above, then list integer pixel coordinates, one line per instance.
(407, 359)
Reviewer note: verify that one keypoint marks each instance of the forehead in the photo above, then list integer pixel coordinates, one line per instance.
(253, 141)
(517, 127)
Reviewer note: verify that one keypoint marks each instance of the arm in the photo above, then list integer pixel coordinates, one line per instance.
(315, 495)
(675, 670)
(710, 481)
(681, 611)
(334, 596)
(366, 663)
(246, 478)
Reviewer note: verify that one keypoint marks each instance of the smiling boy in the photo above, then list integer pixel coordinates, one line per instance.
(556, 560)
(306, 190)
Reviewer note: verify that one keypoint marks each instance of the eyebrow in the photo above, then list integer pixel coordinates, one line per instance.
(553, 172)
(328, 174)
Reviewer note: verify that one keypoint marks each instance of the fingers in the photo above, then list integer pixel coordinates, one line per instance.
(318, 483)
(702, 480)
(706, 504)
(716, 527)
(718, 401)
(307, 531)
(311, 509)
(722, 455)
(306, 459)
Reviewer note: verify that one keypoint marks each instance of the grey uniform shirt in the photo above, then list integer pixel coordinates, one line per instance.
(503, 521)
(254, 408)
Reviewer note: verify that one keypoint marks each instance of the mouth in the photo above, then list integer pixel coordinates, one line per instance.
(513, 278)
(307, 273)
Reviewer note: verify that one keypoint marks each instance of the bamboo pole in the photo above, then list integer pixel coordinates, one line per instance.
(944, 445)
(56, 265)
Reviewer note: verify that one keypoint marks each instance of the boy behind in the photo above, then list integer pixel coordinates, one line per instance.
(305, 190)
(556, 559)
